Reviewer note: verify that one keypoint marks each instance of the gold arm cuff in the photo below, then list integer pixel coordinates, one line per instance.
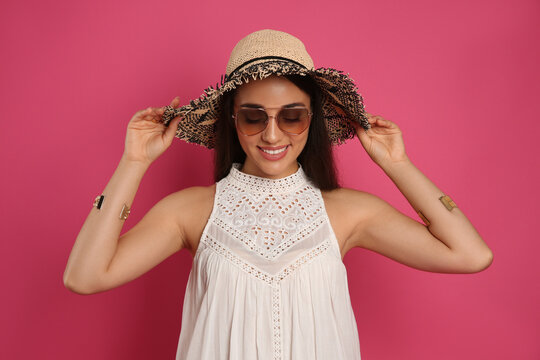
(98, 201)
(125, 212)
(448, 202)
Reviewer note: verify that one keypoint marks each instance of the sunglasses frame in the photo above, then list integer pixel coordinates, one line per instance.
(235, 117)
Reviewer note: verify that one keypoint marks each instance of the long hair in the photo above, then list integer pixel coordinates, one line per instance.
(316, 158)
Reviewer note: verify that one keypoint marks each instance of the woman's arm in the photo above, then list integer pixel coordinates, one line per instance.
(449, 244)
(96, 243)
(87, 269)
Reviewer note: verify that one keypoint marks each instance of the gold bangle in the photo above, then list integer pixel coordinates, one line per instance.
(125, 212)
(448, 202)
(99, 201)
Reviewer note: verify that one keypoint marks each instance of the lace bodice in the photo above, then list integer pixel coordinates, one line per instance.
(269, 216)
(270, 237)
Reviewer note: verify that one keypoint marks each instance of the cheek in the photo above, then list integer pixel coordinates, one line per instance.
(301, 144)
(244, 141)
(302, 140)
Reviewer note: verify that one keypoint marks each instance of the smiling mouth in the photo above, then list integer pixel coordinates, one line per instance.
(274, 152)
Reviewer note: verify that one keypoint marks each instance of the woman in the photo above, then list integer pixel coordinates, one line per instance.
(268, 239)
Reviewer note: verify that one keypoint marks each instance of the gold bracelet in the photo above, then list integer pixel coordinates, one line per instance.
(125, 212)
(98, 202)
(448, 202)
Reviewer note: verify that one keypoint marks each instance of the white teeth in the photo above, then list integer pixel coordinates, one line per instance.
(274, 152)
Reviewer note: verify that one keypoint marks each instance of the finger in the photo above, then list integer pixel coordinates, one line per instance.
(175, 101)
(141, 114)
(384, 122)
(363, 136)
(154, 114)
(158, 113)
(171, 130)
(146, 111)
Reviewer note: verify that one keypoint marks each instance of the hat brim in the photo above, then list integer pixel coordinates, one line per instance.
(343, 105)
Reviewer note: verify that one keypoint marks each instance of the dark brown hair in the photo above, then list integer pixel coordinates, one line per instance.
(316, 158)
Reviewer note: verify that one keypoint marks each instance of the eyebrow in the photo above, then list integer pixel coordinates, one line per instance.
(258, 106)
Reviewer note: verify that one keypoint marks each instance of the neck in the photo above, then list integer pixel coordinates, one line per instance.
(270, 173)
(257, 184)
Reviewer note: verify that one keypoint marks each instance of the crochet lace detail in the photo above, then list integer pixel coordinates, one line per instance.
(271, 280)
(269, 215)
(258, 184)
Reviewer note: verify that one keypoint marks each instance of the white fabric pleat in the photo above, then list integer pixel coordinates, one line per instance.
(267, 280)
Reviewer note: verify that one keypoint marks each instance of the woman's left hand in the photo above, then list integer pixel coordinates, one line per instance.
(383, 142)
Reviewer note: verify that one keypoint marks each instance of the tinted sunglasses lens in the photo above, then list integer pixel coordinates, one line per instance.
(251, 121)
(294, 121)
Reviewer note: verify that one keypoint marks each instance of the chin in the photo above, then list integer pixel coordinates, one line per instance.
(273, 164)
(275, 169)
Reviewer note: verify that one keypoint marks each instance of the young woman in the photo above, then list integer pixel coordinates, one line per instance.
(268, 238)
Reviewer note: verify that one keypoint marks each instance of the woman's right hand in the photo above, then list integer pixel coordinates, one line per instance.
(147, 138)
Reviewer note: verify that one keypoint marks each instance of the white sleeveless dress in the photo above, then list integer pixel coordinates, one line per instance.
(267, 280)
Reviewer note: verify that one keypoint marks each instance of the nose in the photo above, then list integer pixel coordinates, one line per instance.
(272, 133)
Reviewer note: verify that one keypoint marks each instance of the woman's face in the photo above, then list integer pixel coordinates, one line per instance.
(271, 93)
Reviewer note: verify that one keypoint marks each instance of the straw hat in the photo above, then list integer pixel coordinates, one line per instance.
(257, 56)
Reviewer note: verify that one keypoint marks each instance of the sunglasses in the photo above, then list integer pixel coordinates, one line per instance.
(293, 121)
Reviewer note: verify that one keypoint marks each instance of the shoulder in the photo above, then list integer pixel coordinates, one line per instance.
(349, 212)
(352, 204)
(192, 198)
(193, 201)
(347, 199)
(191, 208)
(194, 194)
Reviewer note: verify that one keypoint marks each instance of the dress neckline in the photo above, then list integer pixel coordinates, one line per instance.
(262, 184)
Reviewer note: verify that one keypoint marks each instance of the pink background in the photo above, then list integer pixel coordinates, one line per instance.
(460, 78)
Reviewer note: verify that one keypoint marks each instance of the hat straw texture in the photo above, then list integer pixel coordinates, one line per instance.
(268, 44)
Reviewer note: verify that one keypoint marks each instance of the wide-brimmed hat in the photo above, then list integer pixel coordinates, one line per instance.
(257, 56)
